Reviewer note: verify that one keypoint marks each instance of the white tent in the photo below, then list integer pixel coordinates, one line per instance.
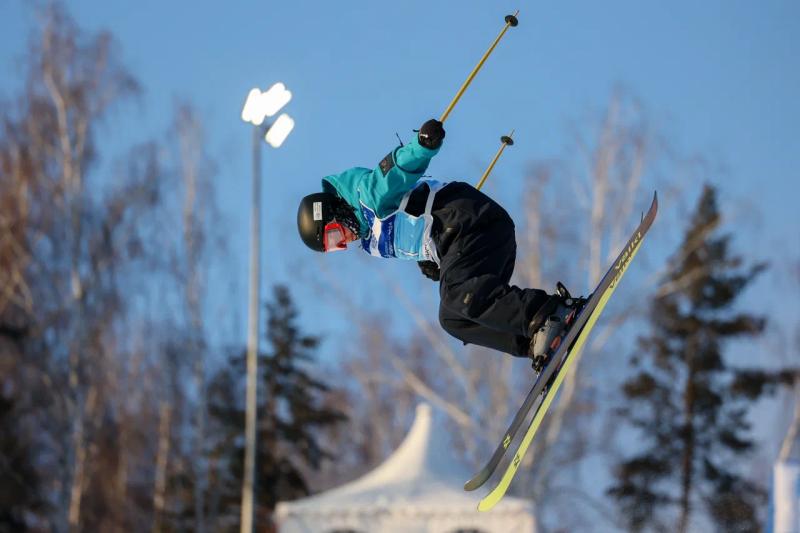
(418, 489)
(786, 482)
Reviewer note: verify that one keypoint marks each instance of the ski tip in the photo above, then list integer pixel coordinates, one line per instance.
(478, 479)
(474, 483)
(486, 504)
(653, 206)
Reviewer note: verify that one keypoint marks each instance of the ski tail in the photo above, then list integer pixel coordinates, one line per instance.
(483, 475)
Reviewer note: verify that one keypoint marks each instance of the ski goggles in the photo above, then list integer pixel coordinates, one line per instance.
(334, 238)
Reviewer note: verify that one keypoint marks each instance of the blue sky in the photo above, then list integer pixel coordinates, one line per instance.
(720, 78)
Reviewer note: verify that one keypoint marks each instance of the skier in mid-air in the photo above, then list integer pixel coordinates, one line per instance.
(457, 234)
(463, 239)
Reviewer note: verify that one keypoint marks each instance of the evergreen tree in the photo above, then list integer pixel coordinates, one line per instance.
(291, 414)
(686, 401)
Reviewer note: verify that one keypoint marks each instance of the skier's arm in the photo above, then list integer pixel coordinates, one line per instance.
(414, 157)
(400, 170)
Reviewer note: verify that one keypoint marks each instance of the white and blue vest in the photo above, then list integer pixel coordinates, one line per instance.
(400, 234)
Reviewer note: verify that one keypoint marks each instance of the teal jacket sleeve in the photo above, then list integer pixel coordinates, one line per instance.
(382, 188)
(397, 174)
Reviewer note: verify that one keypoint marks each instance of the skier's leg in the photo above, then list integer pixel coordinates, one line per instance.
(470, 332)
(475, 280)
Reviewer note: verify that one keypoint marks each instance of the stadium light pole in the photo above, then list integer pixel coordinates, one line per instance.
(257, 108)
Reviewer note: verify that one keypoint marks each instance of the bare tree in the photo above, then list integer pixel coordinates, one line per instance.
(109, 308)
(199, 215)
(73, 80)
(603, 182)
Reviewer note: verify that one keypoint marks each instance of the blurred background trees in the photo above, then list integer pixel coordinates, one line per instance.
(103, 311)
(292, 412)
(685, 399)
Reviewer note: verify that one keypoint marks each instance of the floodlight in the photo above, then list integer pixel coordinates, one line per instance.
(279, 131)
(251, 105)
(260, 105)
(274, 99)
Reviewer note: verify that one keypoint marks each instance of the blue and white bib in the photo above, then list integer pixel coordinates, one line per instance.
(400, 234)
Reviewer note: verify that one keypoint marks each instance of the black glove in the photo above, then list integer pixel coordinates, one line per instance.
(429, 269)
(431, 134)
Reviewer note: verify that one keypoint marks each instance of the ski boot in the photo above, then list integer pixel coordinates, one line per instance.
(550, 324)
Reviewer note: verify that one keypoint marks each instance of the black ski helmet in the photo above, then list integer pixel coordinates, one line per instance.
(318, 210)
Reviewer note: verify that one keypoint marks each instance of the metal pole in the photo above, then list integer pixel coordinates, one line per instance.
(248, 483)
(511, 21)
(505, 140)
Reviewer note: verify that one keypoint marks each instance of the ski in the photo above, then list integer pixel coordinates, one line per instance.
(538, 388)
(549, 381)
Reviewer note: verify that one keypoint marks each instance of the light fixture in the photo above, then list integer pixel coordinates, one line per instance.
(260, 105)
(279, 130)
(274, 99)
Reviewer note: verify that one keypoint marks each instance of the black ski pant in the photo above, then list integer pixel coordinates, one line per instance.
(474, 238)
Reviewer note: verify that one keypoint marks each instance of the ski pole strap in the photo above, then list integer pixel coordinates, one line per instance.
(511, 21)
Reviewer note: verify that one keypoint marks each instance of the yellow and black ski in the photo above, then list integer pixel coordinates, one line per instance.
(549, 380)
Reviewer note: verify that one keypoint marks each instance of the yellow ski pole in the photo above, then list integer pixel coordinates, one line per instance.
(511, 20)
(506, 140)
